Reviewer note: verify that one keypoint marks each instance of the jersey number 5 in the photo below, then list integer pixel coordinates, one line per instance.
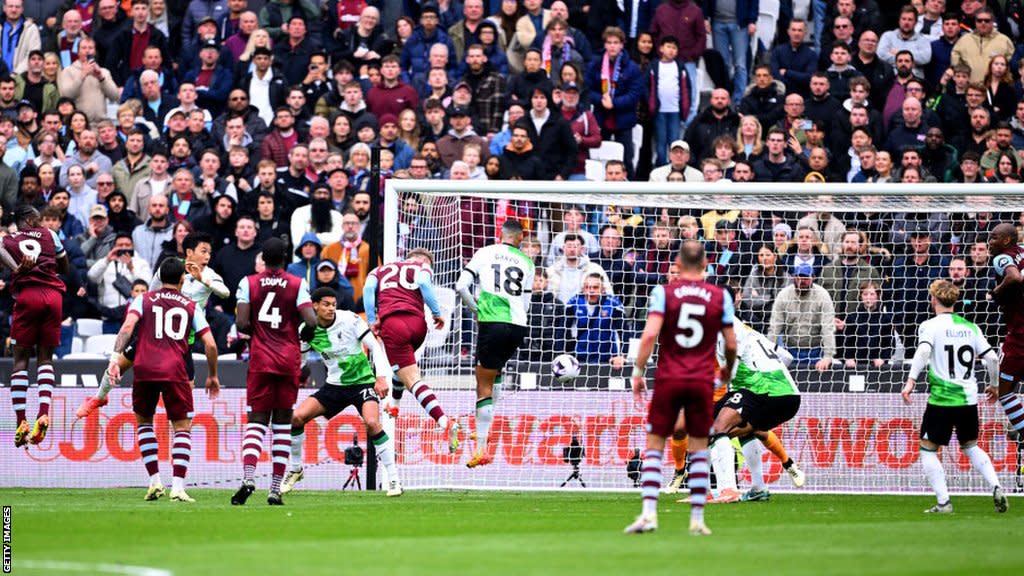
(689, 319)
(270, 314)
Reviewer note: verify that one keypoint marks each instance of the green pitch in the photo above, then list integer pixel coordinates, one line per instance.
(499, 533)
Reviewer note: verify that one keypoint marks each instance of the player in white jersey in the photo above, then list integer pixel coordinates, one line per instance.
(949, 345)
(200, 283)
(504, 276)
(339, 337)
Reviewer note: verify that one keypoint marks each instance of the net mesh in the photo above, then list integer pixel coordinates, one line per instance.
(852, 433)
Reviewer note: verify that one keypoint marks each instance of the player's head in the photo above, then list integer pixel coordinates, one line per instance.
(1002, 237)
(512, 232)
(692, 258)
(274, 253)
(421, 255)
(325, 304)
(172, 272)
(197, 246)
(26, 216)
(944, 293)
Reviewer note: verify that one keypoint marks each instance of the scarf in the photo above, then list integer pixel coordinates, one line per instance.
(610, 74)
(11, 37)
(350, 257)
(68, 50)
(546, 53)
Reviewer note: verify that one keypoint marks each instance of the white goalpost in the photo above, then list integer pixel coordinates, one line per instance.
(852, 434)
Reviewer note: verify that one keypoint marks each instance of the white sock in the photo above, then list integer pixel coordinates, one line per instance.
(723, 460)
(385, 447)
(935, 474)
(105, 386)
(484, 417)
(177, 484)
(155, 479)
(752, 454)
(983, 464)
(297, 442)
(442, 422)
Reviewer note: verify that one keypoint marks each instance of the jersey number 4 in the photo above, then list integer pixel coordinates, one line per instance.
(270, 314)
(690, 316)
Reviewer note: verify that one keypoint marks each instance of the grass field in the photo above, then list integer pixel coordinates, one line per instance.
(497, 533)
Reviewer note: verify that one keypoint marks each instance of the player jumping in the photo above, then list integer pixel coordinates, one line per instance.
(278, 299)
(164, 318)
(686, 317)
(35, 324)
(948, 346)
(393, 297)
(505, 277)
(200, 282)
(1007, 259)
(339, 337)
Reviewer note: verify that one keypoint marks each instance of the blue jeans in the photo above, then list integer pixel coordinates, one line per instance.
(818, 8)
(691, 72)
(577, 177)
(804, 357)
(666, 130)
(731, 36)
(67, 335)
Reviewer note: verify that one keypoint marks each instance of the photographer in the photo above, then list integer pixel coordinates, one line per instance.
(113, 277)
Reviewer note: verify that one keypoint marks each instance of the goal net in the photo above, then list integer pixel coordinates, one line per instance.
(600, 248)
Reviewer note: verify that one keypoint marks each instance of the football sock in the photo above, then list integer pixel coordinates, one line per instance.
(428, 400)
(298, 439)
(105, 386)
(752, 454)
(679, 452)
(386, 452)
(698, 480)
(484, 416)
(650, 480)
(1013, 408)
(983, 464)
(44, 380)
(252, 446)
(935, 474)
(723, 458)
(148, 448)
(19, 394)
(181, 453)
(397, 389)
(280, 447)
(774, 445)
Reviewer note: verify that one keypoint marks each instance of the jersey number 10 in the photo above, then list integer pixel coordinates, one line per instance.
(173, 323)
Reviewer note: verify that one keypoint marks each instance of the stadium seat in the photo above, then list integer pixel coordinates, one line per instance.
(594, 170)
(77, 344)
(100, 344)
(86, 327)
(608, 150)
(227, 357)
(84, 356)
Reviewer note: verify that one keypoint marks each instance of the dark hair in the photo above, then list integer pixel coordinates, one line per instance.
(572, 238)
(24, 213)
(194, 239)
(320, 293)
(511, 226)
(669, 39)
(274, 252)
(171, 271)
(142, 283)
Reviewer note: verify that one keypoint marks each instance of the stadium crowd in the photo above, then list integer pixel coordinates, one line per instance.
(251, 119)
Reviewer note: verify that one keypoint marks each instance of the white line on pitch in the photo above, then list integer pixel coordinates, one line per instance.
(94, 568)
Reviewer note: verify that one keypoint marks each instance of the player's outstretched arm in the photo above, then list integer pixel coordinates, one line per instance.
(212, 381)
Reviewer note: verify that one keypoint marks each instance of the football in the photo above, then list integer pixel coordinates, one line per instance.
(565, 368)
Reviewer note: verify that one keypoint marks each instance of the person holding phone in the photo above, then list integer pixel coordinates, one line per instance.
(113, 277)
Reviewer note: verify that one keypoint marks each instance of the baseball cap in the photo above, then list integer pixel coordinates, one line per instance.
(570, 86)
(803, 269)
(680, 144)
(206, 19)
(210, 44)
(919, 229)
(174, 112)
(457, 111)
(462, 84)
(326, 264)
(98, 211)
(23, 103)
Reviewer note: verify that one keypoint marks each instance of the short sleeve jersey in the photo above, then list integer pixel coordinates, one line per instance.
(694, 313)
(43, 245)
(505, 277)
(275, 298)
(398, 291)
(1013, 303)
(757, 368)
(956, 343)
(341, 348)
(166, 317)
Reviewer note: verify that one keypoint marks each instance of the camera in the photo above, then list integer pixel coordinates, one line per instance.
(633, 467)
(354, 453)
(125, 252)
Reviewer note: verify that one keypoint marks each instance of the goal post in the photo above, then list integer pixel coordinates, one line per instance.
(852, 434)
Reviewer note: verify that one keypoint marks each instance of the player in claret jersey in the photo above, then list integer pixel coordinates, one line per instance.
(1007, 262)
(686, 317)
(36, 255)
(394, 296)
(279, 300)
(164, 318)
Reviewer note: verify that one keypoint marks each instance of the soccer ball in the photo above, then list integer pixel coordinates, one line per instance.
(565, 367)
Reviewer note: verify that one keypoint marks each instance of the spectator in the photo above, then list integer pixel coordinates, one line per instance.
(488, 87)
(803, 320)
(821, 106)
(912, 274)
(807, 249)
(219, 223)
(98, 239)
(567, 272)
(82, 196)
(67, 43)
(678, 160)
(617, 86)
(684, 20)
(978, 47)
(828, 230)
(867, 332)
(793, 62)
(763, 99)
(88, 85)
(533, 76)
(878, 73)
(293, 54)
(840, 73)
(352, 255)
(906, 38)
(552, 138)
(130, 41)
(319, 217)
(938, 70)
(113, 275)
(668, 96)
(777, 165)
(307, 256)
(761, 287)
(518, 160)
(276, 14)
(911, 132)
(548, 317)
(392, 95)
(529, 28)
(459, 135)
(845, 275)
(211, 79)
(236, 261)
(718, 119)
(585, 129)
(597, 323)
(149, 237)
(723, 254)
(416, 52)
(134, 167)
